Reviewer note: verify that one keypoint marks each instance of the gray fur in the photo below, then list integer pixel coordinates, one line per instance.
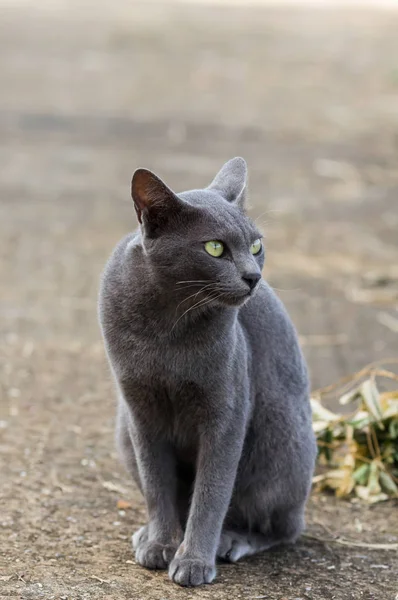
(214, 421)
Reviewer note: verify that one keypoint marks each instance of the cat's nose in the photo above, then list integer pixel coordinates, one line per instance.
(251, 279)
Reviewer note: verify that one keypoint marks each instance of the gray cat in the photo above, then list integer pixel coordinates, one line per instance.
(214, 421)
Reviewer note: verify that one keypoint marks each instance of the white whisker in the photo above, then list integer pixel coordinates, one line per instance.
(197, 305)
(195, 281)
(194, 294)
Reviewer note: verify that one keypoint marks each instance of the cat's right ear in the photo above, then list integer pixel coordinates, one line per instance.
(154, 202)
(231, 181)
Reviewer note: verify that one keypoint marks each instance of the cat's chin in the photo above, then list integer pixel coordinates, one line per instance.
(235, 300)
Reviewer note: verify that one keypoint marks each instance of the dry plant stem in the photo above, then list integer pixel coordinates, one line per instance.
(375, 441)
(331, 445)
(344, 542)
(363, 458)
(370, 444)
(99, 579)
(357, 376)
(388, 374)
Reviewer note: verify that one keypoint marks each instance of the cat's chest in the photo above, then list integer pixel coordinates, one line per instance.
(180, 411)
(180, 367)
(179, 392)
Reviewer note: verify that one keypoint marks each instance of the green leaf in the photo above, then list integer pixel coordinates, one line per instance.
(393, 429)
(360, 419)
(361, 474)
(373, 482)
(387, 483)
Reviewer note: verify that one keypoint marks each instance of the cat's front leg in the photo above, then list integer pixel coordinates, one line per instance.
(155, 544)
(219, 453)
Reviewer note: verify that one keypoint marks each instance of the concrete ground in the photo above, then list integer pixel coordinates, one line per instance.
(91, 90)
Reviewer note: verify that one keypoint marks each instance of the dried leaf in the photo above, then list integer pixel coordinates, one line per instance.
(364, 494)
(349, 397)
(113, 487)
(344, 440)
(122, 504)
(370, 395)
(373, 481)
(320, 413)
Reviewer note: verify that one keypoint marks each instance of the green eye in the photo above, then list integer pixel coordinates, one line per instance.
(214, 248)
(256, 246)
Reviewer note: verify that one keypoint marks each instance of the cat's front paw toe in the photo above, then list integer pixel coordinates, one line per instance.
(154, 555)
(191, 572)
(140, 537)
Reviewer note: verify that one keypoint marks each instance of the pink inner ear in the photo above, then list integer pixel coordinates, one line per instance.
(153, 200)
(139, 187)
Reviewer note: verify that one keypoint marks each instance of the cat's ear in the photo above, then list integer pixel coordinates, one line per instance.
(231, 181)
(154, 202)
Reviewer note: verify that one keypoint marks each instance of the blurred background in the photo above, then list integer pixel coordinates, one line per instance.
(307, 93)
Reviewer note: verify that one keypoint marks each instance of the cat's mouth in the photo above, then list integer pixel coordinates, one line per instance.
(236, 299)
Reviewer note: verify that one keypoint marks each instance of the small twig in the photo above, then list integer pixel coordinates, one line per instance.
(329, 531)
(99, 579)
(112, 487)
(385, 373)
(375, 441)
(344, 542)
(363, 458)
(370, 443)
(331, 445)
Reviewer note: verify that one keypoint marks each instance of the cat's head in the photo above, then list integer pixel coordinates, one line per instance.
(201, 243)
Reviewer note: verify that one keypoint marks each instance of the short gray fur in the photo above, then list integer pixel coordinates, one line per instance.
(214, 420)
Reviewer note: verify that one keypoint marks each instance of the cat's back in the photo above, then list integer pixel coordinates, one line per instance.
(125, 254)
(118, 291)
(127, 249)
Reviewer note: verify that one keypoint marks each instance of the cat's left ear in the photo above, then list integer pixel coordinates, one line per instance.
(154, 202)
(231, 181)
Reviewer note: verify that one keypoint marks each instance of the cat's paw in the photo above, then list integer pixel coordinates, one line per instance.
(233, 546)
(154, 555)
(139, 537)
(191, 572)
